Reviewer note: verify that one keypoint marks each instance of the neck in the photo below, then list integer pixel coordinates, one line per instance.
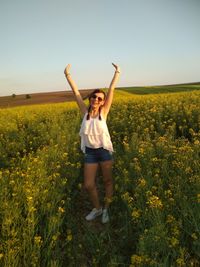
(94, 111)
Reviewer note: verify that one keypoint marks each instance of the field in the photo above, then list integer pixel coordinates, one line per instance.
(65, 96)
(38, 98)
(155, 211)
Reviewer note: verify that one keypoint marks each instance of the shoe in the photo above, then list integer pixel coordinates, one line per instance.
(105, 216)
(93, 214)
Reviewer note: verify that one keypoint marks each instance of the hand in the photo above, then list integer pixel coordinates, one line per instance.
(117, 68)
(66, 71)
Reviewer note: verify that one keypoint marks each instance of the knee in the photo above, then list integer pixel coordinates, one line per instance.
(89, 186)
(108, 181)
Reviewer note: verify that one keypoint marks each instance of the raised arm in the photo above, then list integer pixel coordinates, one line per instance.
(75, 90)
(110, 93)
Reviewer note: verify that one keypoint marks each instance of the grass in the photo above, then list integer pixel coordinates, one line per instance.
(160, 89)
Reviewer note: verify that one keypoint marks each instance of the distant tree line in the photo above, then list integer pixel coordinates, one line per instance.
(27, 96)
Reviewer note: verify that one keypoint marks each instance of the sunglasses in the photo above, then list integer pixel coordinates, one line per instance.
(98, 97)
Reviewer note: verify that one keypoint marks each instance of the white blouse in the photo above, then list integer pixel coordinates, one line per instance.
(94, 134)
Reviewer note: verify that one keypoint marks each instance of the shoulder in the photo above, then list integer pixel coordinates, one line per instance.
(84, 114)
(83, 117)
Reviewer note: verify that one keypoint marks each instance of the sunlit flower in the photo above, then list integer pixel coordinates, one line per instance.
(38, 240)
(61, 210)
(141, 182)
(155, 202)
(69, 235)
(136, 213)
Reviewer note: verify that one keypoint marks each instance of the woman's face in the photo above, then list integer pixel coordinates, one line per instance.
(97, 99)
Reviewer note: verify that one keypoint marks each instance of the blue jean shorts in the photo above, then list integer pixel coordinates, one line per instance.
(95, 155)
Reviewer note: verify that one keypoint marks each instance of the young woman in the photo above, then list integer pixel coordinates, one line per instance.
(96, 142)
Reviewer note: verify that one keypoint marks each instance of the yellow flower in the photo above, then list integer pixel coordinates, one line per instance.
(116, 187)
(127, 198)
(54, 237)
(38, 240)
(196, 142)
(30, 199)
(170, 219)
(136, 213)
(194, 236)
(69, 235)
(198, 198)
(173, 242)
(180, 262)
(141, 182)
(79, 186)
(135, 259)
(61, 210)
(108, 200)
(62, 201)
(175, 231)
(155, 159)
(64, 181)
(155, 202)
(137, 168)
(168, 193)
(141, 150)
(35, 160)
(32, 209)
(188, 170)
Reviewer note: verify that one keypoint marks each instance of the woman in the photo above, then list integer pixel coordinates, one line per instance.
(96, 142)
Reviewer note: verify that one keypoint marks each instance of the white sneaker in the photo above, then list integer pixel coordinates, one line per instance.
(93, 214)
(105, 216)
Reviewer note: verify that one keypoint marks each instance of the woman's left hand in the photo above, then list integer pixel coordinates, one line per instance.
(117, 68)
(66, 71)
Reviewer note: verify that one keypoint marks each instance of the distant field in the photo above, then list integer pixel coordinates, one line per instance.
(161, 89)
(63, 96)
(39, 98)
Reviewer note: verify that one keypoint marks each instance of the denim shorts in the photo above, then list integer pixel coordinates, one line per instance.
(95, 155)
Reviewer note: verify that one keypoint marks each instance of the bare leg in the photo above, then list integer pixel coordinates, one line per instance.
(106, 167)
(90, 170)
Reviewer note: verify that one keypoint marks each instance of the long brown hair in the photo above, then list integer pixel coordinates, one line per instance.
(90, 96)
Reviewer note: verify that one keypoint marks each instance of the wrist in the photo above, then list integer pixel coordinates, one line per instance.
(67, 74)
(117, 71)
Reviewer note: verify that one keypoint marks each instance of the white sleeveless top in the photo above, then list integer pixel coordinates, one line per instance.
(94, 134)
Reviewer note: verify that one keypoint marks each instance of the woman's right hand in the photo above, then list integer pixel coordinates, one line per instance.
(66, 71)
(117, 68)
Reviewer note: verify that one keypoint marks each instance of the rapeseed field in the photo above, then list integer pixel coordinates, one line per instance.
(155, 211)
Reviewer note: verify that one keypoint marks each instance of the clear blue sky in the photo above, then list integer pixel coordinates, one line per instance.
(154, 42)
